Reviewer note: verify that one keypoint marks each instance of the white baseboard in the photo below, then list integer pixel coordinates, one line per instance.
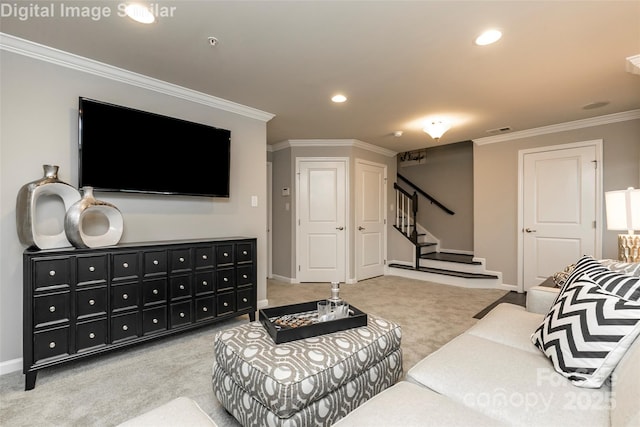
(10, 366)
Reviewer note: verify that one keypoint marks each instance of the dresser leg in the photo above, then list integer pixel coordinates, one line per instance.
(30, 380)
(252, 316)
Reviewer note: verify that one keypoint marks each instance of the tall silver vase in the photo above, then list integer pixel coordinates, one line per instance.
(92, 223)
(39, 201)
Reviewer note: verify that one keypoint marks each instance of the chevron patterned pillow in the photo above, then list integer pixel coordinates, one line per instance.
(587, 331)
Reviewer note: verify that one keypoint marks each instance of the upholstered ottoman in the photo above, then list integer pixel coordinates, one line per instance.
(309, 382)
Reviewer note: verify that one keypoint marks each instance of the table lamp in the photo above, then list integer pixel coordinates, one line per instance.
(623, 213)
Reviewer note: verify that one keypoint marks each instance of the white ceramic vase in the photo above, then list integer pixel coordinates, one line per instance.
(39, 217)
(92, 223)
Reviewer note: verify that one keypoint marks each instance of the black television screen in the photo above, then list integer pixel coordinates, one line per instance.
(123, 149)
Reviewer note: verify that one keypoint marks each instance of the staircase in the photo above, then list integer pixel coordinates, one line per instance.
(461, 269)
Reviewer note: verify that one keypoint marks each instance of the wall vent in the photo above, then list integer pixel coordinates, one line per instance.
(499, 130)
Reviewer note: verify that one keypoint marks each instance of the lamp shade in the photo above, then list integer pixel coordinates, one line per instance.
(436, 129)
(623, 209)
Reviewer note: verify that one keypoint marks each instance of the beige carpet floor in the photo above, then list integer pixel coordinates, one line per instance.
(109, 389)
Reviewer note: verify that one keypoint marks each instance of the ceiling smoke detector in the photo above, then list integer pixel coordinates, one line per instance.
(212, 41)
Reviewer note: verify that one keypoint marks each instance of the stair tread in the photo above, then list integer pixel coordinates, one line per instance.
(450, 257)
(461, 274)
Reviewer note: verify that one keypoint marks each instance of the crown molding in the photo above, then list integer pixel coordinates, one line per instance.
(330, 143)
(633, 64)
(65, 59)
(561, 127)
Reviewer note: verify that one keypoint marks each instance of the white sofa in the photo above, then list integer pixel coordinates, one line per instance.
(494, 375)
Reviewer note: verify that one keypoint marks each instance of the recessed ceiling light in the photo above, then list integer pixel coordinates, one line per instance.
(338, 98)
(139, 13)
(488, 37)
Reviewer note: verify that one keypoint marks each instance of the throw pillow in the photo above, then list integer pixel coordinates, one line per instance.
(561, 276)
(587, 331)
(630, 268)
(625, 286)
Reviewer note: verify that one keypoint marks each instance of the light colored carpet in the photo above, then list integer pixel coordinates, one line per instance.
(109, 389)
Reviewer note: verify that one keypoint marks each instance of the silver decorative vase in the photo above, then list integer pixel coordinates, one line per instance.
(39, 201)
(92, 223)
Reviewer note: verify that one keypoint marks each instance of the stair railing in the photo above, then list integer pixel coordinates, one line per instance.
(426, 195)
(406, 211)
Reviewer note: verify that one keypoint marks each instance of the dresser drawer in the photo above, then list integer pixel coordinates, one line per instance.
(205, 308)
(51, 343)
(180, 260)
(125, 326)
(124, 297)
(204, 257)
(52, 272)
(180, 286)
(125, 266)
(204, 283)
(244, 275)
(154, 320)
(91, 302)
(181, 314)
(244, 252)
(224, 254)
(245, 297)
(91, 334)
(225, 279)
(92, 269)
(226, 303)
(51, 308)
(155, 262)
(154, 291)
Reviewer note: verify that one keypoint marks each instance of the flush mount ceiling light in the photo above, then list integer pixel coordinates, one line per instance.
(436, 128)
(139, 13)
(488, 37)
(338, 98)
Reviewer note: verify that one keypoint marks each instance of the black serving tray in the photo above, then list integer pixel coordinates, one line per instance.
(280, 335)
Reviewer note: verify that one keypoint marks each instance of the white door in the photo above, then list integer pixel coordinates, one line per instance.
(269, 219)
(559, 210)
(321, 196)
(370, 224)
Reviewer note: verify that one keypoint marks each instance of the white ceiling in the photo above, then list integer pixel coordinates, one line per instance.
(398, 62)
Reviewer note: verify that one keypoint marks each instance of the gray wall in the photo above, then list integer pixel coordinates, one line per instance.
(496, 179)
(39, 126)
(447, 175)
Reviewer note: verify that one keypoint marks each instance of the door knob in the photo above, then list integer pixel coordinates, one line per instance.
(361, 228)
(340, 228)
(528, 230)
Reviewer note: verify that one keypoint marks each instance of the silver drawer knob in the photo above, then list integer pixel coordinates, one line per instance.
(125, 296)
(52, 273)
(92, 335)
(125, 328)
(181, 287)
(244, 252)
(52, 344)
(92, 302)
(92, 268)
(226, 279)
(181, 314)
(155, 292)
(205, 257)
(244, 300)
(155, 262)
(125, 264)
(181, 259)
(226, 304)
(205, 309)
(244, 276)
(52, 308)
(204, 283)
(225, 254)
(155, 320)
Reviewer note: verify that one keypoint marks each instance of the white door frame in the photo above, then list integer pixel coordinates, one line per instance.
(357, 246)
(347, 217)
(269, 220)
(521, 154)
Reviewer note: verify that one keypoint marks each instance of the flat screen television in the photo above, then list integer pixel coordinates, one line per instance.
(128, 150)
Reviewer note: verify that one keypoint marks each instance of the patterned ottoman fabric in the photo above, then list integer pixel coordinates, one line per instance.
(288, 377)
(321, 413)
